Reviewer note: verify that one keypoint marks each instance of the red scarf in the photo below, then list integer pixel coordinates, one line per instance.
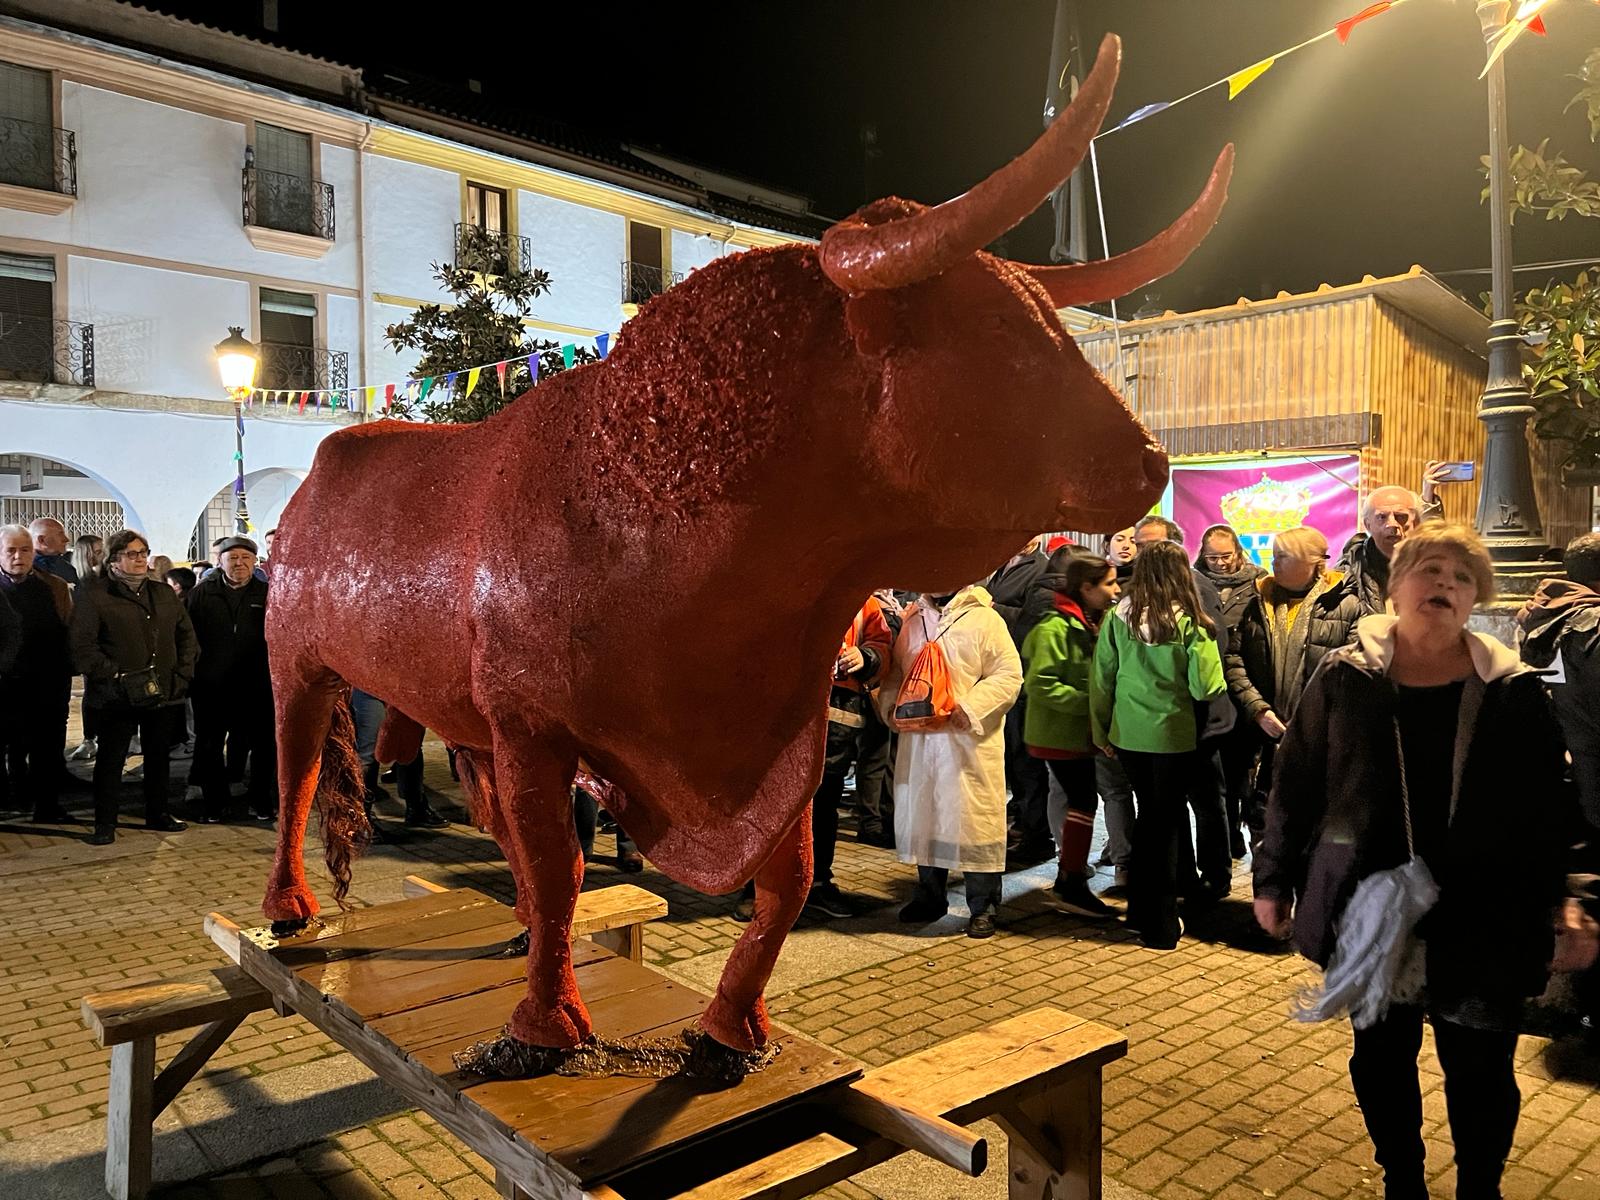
(1068, 607)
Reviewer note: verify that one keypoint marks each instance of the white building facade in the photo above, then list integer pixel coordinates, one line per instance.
(149, 202)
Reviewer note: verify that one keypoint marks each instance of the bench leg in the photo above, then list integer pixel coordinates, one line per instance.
(129, 1116)
(1053, 1142)
(626, 941)
(507, 1189)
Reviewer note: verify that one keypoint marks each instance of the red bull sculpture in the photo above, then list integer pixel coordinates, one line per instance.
(644, 564)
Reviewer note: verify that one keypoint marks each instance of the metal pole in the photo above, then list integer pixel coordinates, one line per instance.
(1508, 507)
(241, 514)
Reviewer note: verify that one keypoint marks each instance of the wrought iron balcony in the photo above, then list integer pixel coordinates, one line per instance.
(293, 203)
(302, 368)
(640, 281)
(44, 350)
(37, 156)
(491, 251)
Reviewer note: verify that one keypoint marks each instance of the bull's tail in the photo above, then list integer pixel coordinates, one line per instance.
(341, 801)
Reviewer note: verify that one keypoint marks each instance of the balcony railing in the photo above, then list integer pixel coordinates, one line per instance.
(640, 281)
(491, 251)
(43, 350)
(293, 203)
(37, 156)
(302, 368)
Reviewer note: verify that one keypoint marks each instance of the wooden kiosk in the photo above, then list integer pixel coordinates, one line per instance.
(404, 985)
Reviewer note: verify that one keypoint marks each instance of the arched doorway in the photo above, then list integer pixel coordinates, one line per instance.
(267, 491)
(34, 485)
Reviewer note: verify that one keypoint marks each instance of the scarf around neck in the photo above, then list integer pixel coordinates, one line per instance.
(131, 581)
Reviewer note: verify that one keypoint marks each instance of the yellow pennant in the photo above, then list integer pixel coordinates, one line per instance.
(1239, 80)
(372, 399)
(472, 379)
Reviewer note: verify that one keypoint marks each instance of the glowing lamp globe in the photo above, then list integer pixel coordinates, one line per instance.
(236, 360)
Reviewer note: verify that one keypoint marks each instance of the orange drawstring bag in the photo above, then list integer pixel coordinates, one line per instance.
(925, 699)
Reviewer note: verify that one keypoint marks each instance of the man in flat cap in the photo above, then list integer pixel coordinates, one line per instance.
(232, 688)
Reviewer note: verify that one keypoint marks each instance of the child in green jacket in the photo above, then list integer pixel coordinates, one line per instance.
(1156, 658)
(1056, 655)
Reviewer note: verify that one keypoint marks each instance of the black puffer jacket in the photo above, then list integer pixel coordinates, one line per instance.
(231, 626)
(116, 628)
(1336, 816)
(1248, 664)
(1009, 588)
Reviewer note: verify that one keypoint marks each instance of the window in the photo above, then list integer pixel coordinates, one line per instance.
(483, 243)
(285, 196)
(288, 340)
(27, 141)
(486, 208)
(27, 318)
(642, 274)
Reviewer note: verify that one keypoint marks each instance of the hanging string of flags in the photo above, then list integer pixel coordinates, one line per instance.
(1237, 81)
(382, 396)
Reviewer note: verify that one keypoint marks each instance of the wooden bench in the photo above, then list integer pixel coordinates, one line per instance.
(128, 1020)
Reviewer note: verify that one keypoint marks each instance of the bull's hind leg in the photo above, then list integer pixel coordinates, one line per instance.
(304, 694)
(737, 1015)
(533, 779)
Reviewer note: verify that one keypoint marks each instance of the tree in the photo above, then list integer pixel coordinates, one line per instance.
(483, 325)
(1561, 322)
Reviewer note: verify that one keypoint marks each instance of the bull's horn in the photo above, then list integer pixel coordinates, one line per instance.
(1085, 283)
(860, 257)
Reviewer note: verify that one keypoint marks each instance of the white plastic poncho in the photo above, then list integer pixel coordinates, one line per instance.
(950, 786)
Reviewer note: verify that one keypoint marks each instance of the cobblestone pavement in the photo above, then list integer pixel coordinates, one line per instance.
(1220, 1095)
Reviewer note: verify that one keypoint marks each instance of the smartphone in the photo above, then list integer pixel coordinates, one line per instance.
(1457, 472)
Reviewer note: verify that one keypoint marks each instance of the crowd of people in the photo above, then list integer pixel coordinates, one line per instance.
(174, 665)
(1334, 721)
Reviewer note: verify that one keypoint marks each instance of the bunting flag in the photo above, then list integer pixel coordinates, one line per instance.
(388, 396)
(427, 386)
(1528, 14)
(533, 368)
(569, 355)
(603, 344)
(500, 370)
(1237, 81)
(302, 402)
(472, 379)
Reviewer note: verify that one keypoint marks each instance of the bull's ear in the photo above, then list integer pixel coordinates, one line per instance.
(876, 321)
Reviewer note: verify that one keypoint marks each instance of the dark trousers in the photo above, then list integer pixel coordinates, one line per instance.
(33, 731)
(1029, 782)
(1480, 1094)
(1208, 852)
(1255, 813)
(244, 729)
(117, 727)
(1240, 747)
(874, 777)
(983, 888)
(842, 748)
(1077, 779)
(1160, 788)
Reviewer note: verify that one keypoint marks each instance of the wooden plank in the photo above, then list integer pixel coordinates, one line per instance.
(413, 886)
(522, 1163)
(128, 1119)
(165, 1006)
(912, 1127)
(613, 907)
(188, 1061)
(625, 942)
(386, 966)
(389, 936)
(379, 915)
(224, 933)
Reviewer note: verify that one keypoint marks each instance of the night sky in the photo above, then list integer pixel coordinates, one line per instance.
(1352, 159)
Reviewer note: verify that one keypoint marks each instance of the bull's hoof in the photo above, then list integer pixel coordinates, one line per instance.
(709, 1059)
(289, 928)
(508, 1058)
(517, 947)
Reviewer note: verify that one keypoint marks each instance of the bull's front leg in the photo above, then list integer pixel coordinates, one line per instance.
(533, 780)
(737, 1015)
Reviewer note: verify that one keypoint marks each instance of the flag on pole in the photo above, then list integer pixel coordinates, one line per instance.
(1239, 80)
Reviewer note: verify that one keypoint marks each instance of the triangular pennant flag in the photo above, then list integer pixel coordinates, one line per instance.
(302, 402)
(533, 368)
(427, 386)
(1536, 26)
(500, 370)
(1344, 27)
(449, 381)
(372, 399)
(603, 344)
(569, 355)
(1239, 80)
(388, 396)
(472, 379)
(1139, 114)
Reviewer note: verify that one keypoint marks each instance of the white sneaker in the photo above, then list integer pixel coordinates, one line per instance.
(182, 750)
(134, 747)
(84, 751)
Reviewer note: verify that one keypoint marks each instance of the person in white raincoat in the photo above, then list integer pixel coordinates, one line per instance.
(950, 786)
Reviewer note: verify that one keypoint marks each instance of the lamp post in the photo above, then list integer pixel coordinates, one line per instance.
(236, 362)
(1508, 508)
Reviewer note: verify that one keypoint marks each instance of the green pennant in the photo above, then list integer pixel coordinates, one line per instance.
(569, 355)
(427, 386)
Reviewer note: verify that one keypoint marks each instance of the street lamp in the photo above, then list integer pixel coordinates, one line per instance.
(1508, 508)
(236, 363)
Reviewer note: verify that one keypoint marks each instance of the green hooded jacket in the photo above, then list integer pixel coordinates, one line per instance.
(1142, 696)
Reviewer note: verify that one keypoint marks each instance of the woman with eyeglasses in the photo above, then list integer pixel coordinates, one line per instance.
(1292, 618)
(134, 645)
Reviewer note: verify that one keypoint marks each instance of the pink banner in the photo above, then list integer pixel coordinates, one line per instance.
(1262, 501)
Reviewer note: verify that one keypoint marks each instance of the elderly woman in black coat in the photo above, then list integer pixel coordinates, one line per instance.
(134, 645)
(1423, 734)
